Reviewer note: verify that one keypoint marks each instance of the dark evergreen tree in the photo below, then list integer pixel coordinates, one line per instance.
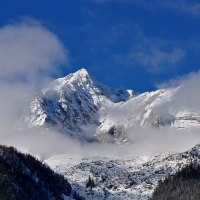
(90, 184)
(22, 177)
(184, 185)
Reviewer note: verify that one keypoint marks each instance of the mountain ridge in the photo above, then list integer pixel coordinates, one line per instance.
(85, 109)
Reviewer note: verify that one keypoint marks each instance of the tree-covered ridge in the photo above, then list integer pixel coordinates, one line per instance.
(22, 177)
(184, 185)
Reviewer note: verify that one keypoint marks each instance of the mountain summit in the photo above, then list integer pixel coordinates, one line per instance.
(83, 108)
(72, 103)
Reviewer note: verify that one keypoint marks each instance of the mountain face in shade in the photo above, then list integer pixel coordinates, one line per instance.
(81, 107)
(22, 177)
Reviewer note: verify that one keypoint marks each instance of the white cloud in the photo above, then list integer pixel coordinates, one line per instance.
(155, 56)
(188, 95)
(27, 50)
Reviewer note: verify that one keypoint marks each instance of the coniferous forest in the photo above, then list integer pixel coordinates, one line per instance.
(184, 185)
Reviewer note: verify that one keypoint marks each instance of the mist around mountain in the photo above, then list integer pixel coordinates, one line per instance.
(79, 106)
(96, 119)
(123, 140)
(81, 114)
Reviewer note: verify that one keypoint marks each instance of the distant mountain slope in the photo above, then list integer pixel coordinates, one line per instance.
(80, 106)
(22, 177)
(126, 178)
(184, 185)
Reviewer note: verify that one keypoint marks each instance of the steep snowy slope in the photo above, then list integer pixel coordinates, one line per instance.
(152, 109)
(72, 103)
(80, 106)
(128, 178)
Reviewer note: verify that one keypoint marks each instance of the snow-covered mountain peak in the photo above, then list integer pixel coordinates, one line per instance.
(82, 82)
(73, 102)
(80, 78)
(84, 108)
(81, 75)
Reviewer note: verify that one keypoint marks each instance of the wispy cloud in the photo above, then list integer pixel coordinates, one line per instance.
(154, 55)
(129, 47)
(185, 6)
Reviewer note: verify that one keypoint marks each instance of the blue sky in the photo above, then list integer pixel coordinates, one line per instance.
(135, 44)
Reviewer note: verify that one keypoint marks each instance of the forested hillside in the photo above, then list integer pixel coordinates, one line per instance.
(22, 177)
(184, 185)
